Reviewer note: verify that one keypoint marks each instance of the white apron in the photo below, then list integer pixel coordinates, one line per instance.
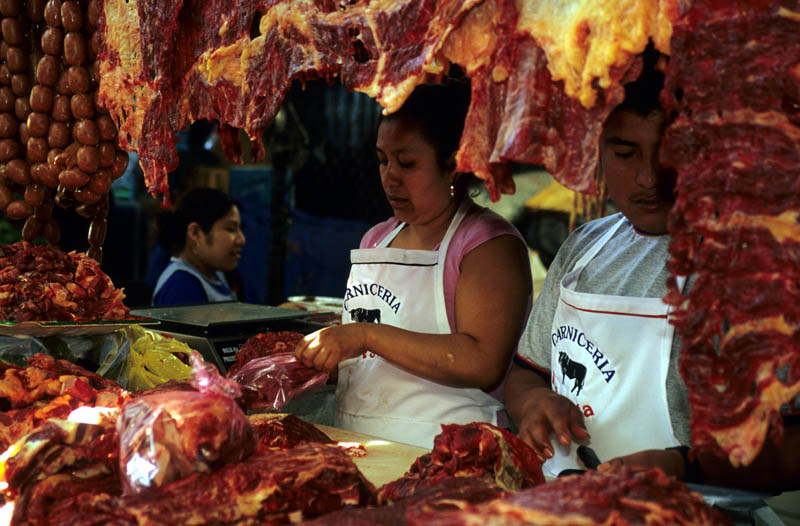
(610, 356)
(403, 288)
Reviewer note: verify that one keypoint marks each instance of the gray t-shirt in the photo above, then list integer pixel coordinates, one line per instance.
(630, 264)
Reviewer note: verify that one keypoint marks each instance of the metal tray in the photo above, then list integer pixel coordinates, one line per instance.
(42, 329)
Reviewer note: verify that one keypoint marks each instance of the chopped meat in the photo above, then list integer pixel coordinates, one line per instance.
(42, 283)
(286, 432)
(478, 450)
(264, 344)
(590, 499)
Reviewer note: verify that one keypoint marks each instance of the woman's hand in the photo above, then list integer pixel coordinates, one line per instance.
(324, 349)
(669, 461)
(545, 413)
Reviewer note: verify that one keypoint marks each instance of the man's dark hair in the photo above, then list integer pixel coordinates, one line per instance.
(642, 95)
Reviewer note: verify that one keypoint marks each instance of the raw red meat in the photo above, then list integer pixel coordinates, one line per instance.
(282, 487)
(736, 148)
(264, 344)
(478, 450)
(591, 499)
(286, 432)
(42, 283)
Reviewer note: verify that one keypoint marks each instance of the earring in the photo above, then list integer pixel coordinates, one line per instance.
(452, 191)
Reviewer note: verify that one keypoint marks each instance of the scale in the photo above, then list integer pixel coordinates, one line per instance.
(217, 330)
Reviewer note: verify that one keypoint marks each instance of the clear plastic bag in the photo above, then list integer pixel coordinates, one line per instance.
(170, 435)
(269, 382)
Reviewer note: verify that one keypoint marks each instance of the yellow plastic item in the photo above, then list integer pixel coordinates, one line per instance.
(152, 360)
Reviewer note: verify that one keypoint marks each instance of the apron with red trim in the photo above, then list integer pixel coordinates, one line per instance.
(610, 357)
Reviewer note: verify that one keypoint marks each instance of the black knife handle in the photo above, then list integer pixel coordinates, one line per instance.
(588, 457)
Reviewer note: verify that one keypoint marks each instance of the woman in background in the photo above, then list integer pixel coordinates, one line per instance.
(203, 234)
(437, 294)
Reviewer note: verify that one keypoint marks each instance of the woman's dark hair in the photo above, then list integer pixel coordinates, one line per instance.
(203, 206)
(438, 111)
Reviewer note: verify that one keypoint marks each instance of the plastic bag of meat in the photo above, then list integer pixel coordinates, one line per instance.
(269, 382)
(169, 435)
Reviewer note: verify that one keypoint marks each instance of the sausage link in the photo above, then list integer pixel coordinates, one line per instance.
(18, 171)
(61, 108)
(18, 209)
(37, 149)
(58, 135)
(93, 11)
(20, 85)
(120, 164)
(34, 194)
(64, 197)
(12, 31)
(100, 181)
(7, 99)
(5, 75)
(88, 160)
(74, 48)
(52, 232)
(38, 124)
(41, 98)
(35, 10)
(17, 59)
(52, 41)
(106, 152)
(86, 132)
(9, 7)
(71, 16)
(84, 195)
(81, 106)
(9, 125)
(6, 196)
(72, 179)
(48, 70)
(9, 149)
(52, 13)
(96, 253)
(78, 78)
(31, 229)
(23, 133)
(87, 210)
(22, 108)
(62, 84)
(97, 231)
(68, 158)
(45, 174)
(44, 211)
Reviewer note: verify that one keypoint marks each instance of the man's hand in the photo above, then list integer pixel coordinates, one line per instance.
(669, 461)
(324, 349)
(545, 412)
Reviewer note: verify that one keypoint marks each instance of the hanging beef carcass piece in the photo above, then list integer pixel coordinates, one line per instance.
(167, 64)
(736, 222)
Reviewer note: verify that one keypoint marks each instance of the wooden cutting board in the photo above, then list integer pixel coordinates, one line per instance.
(384, 461)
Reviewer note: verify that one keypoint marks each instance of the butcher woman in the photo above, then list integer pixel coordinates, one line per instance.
(597, 363)
(437, 294)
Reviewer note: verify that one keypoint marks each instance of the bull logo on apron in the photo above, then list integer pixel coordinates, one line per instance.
(572, 369)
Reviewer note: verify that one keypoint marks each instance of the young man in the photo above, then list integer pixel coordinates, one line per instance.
(598, 363)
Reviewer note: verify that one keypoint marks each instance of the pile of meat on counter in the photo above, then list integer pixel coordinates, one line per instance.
(42, 283)
(81, 450)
